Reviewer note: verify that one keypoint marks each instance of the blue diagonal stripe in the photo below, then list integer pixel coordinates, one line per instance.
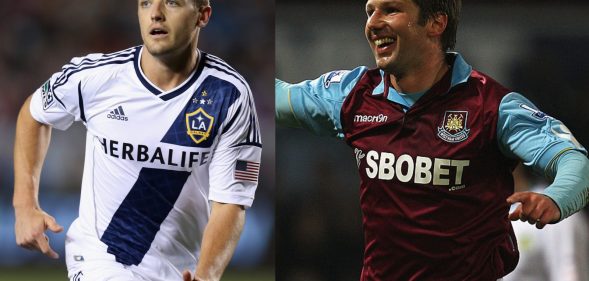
(137, 220)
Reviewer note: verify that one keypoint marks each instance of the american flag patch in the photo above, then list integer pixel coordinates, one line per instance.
(247, 170)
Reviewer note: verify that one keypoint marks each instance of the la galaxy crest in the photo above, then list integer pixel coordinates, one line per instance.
(199, 125)
(453, 128)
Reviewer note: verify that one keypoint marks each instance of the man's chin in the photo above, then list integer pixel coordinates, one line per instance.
(157, 50)
(383, 64)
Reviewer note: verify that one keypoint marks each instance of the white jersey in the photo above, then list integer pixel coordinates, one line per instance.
(154, 158)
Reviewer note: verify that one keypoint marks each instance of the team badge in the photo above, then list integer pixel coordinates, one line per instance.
(47, 95)
(199, 124)
(334, 77)
(453, 128)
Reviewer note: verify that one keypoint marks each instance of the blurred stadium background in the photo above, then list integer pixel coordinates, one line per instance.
(538, 48)
(38, 37)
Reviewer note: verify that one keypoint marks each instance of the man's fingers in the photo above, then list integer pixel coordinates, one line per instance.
(535, 215)
(53, 225)
(28, 246)
(524, 208)
(515, 215)
(186, 276)
(536, 209)
(517, 197)
(43, 245)
(30, 227)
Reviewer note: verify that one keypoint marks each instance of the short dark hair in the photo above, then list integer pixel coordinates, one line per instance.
(451, 8)
(200, 3)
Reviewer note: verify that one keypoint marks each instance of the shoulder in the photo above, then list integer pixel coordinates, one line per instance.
(488, 86)
(347, 77)
(337, 84)
(221, 70)
(368, 77)
(98, 60)
(95, 65)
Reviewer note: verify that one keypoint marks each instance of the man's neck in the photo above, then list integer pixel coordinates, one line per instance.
(167, 72)
(422, 77)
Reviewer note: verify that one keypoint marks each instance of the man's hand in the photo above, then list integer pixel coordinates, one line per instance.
(30, 227)
(535, 208)
(187, 276)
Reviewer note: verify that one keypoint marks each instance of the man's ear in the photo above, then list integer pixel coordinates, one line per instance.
(437, 24)
(204, 14)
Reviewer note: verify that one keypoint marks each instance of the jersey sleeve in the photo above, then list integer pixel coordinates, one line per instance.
(526, 133)
(545, 144)
(315, 105)
(57, 101)
(235, 165)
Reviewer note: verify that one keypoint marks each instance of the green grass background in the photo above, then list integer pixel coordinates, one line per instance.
(59, 274)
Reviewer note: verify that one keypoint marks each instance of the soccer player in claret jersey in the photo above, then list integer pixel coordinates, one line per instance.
(436, 142)
(172, 154)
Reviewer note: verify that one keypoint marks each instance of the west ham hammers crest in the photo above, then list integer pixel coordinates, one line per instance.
(453, 128)
(199, 124)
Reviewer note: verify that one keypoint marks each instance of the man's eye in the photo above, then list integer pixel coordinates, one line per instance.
(391, 10)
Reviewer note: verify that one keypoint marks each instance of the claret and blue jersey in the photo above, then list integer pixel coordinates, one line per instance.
(435, 167)
(154, 158)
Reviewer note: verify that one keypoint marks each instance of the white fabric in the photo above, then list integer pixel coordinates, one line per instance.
(123, 115)
(559, 252)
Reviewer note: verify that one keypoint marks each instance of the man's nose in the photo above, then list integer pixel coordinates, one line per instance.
(157, 13)
(375, 21)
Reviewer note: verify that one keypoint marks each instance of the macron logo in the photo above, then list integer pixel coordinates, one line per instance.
(117, 114)
(381, 118)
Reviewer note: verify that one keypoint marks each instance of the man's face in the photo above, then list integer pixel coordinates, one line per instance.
(170, 25)
(394, 35)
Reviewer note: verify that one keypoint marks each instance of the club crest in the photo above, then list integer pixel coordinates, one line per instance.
(453, 128)
(199, 124)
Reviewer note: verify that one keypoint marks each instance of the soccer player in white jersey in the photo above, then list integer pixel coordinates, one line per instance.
(172, 154)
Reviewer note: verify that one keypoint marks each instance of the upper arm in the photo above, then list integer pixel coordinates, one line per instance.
(526, 133)
(315, 105)
(25, 115)
(57, 101)
(235, 165)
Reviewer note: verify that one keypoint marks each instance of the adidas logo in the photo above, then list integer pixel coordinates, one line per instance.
(117, 114)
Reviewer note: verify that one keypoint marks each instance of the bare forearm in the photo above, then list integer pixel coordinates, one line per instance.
(30, 147)
(219, 241)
